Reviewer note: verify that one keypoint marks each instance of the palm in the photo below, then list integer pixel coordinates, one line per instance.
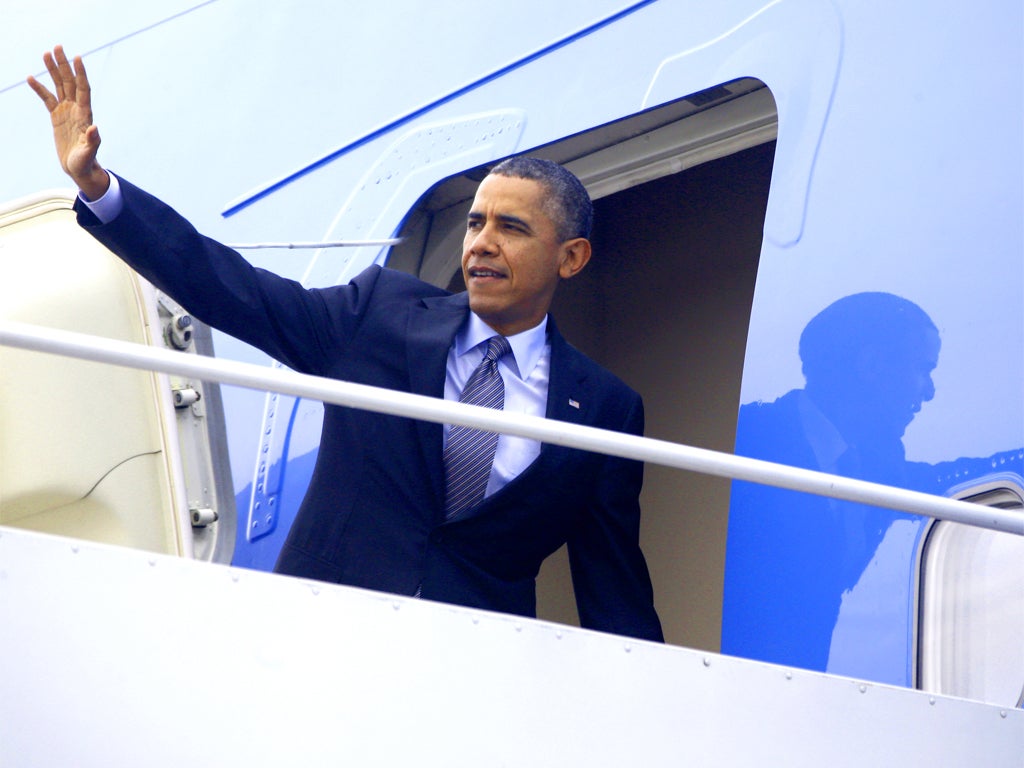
(71, 123)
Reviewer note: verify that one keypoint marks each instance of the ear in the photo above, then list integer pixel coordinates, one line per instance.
(575, 255)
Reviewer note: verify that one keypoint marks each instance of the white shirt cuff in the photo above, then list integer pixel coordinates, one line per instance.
(107, 207)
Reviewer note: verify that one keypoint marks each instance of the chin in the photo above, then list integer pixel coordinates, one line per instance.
(480, 305)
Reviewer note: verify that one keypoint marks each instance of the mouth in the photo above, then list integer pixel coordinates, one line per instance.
(484, 273)
(910, 413)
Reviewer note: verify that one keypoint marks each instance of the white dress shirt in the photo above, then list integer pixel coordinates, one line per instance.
(107, 207)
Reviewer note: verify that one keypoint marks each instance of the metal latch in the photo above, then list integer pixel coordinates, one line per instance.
(202, 516)
(185, 396)
(178, 332)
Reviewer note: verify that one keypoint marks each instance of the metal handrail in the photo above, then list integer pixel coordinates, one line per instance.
(389, 241)
(665, 453)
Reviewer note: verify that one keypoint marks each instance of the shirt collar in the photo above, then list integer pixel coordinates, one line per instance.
(526, 346)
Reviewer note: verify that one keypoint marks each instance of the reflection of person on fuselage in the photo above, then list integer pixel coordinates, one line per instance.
(868, 361)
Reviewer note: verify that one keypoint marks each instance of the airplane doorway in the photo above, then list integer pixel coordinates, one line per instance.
(665, 304)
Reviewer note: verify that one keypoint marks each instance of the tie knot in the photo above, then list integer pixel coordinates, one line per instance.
(497, 347)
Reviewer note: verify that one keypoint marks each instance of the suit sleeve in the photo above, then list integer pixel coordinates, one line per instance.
(610, 577)
(301, 328)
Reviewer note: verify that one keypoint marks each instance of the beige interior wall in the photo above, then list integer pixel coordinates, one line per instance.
(665, 304)
(83, 447)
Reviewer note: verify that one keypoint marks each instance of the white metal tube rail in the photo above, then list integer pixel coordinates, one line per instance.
(668, 454)
(318, 245)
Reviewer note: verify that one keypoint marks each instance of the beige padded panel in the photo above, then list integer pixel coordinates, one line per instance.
(82, 445)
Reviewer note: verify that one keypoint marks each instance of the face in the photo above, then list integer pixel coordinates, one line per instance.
(913, 381)
(512, 258)
(902, 381)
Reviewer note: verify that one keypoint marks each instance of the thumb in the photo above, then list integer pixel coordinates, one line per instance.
(92, 138)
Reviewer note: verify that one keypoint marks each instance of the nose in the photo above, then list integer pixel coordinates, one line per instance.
(481, 241)
(928, 391)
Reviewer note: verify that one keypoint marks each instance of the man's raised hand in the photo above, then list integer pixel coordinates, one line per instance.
(76, 138)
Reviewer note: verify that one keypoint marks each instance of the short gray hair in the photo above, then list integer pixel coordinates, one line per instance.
(568, 203)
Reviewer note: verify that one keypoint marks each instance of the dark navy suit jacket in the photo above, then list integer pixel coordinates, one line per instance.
(373, 513)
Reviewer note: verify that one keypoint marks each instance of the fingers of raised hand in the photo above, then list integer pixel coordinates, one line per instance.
(43, 93)
(55, 76)
(82, 90)
(63, 76)
(70, 82)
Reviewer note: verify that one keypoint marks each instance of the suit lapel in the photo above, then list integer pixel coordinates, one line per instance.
(433, 323)
(567, 383)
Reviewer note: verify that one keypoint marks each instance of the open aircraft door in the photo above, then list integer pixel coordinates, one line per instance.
(92, 451)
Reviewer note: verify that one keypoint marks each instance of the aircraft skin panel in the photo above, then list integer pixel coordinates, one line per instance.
(802, 84)
(188, 663)
(907, 222)
(898, 173)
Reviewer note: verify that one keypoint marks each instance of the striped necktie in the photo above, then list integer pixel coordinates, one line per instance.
(469, 453)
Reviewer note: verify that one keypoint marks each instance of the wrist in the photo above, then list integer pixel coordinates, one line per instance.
(94, 184)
